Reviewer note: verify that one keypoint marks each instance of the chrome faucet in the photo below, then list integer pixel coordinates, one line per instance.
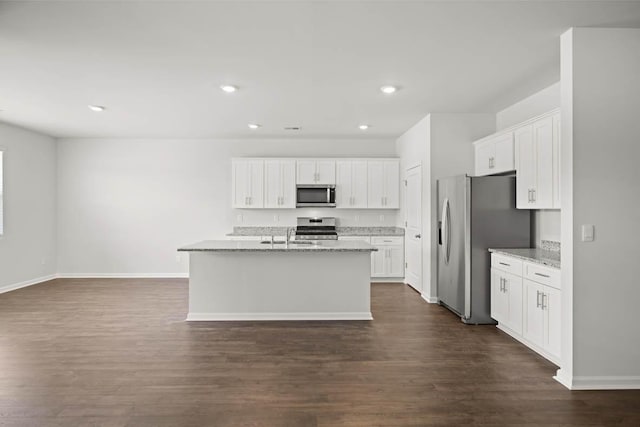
(289, 231)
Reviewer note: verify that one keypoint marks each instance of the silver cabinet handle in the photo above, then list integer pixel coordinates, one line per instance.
(537, 299)
(501, 283)
(246, 200)
(544, 307)
(418, 236)
(503, 263)
(504, 287)
(529, 200)
(533, 194)
(541, 275)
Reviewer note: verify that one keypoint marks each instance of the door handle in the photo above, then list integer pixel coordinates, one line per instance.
(446, 225)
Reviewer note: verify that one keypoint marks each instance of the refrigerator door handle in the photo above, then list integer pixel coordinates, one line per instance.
(446, 227)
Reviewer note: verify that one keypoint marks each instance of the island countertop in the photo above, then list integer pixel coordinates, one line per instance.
(255, 246)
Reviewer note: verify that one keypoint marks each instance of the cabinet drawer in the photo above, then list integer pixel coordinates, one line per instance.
(541, 274)
(386, 240)
(507, 264)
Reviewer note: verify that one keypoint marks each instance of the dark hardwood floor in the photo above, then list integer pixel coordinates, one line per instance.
(118, 353)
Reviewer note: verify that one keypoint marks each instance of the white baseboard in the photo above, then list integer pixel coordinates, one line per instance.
(208, 317)
(387, 280)
(598, 382)
(429, 299)
(123, 275)
(26, 283)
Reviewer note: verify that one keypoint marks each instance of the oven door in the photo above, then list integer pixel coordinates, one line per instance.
(321, 196)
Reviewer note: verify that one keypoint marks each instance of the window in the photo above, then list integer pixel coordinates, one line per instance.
(1, 193)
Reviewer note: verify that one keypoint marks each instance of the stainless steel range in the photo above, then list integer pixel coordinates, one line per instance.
(309, 228)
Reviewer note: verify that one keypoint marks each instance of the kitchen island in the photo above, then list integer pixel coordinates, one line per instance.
(250, 280)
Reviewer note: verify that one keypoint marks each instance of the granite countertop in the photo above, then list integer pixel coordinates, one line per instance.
(539, 256)
(255, 246)
(342, 231)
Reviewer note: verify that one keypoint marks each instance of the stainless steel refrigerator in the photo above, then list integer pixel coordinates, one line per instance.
(474, 214)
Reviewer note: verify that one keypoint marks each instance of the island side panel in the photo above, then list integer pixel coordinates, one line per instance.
(279, 286)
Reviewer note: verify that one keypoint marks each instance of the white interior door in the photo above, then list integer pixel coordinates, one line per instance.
(413, 228)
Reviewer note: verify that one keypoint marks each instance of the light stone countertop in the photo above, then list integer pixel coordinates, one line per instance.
(342, 231)
(255, 246)
(538, 256)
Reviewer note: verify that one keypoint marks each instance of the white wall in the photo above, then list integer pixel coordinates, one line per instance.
(442, 144)
(546, 223)
(28, 246)
(125, 206)
(534, 105)
(600, 104)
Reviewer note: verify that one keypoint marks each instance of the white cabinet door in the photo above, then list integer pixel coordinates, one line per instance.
(534, 322)
(556, 161)
(513, 288)
(247, 183)
(288, 183)
(525, 167)
(504, 157)
(344, 184)
(392, 184)
(499, 298)
(359, 185)
(383, 184)
(279, 183)
(272, 183)
(395, 262)
(306, 172)
(375, 174)
(552, 320)
(378, 262)
(543, 161)
(484, 155)
(326, 171)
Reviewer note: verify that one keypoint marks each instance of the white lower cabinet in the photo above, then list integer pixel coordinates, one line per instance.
(388, 260)
(525, 301)
(506, 299)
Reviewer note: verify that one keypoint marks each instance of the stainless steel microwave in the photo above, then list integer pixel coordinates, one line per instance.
(316, 195)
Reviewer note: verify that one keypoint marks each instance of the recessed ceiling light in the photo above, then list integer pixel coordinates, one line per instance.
(229, 88)
(388, 89)
(254, 126)
(364, 127)
(97, 108)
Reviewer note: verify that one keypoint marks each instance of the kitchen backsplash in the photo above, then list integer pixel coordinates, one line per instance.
(550, 245)
(287, 217)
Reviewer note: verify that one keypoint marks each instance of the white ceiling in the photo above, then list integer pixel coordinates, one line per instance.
(157, 66)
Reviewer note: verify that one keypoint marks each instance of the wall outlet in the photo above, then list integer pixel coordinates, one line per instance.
(276, 218)
(357, 218)
(381, 218)
(239, 218)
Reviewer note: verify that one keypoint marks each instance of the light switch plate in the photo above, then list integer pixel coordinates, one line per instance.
(588, 232)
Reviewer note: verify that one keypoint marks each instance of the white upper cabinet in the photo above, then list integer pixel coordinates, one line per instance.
(247, 183)
(316, 171)
(494, 155)
(351, 184)
(383, 184)
(537, 164)
(279, 183)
